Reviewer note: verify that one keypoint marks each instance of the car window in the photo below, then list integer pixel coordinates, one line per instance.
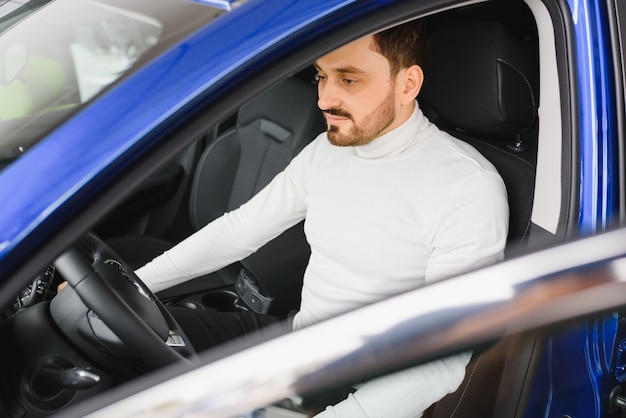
(57, 56)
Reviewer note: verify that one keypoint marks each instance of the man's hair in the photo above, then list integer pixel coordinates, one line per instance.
(403, 45)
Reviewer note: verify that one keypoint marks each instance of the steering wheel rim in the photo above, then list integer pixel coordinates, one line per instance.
(101, 280)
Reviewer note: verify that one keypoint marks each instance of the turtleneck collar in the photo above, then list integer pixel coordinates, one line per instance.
(395, 141)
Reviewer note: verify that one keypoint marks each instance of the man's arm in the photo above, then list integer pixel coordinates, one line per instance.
(230, 238)
(404, 394)
(472, 228)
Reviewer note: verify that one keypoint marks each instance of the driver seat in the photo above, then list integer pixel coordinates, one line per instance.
(481, 85)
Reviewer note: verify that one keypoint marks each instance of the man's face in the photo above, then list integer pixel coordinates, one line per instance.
(357, 93)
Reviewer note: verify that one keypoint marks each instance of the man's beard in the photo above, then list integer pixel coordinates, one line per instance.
(373, 125)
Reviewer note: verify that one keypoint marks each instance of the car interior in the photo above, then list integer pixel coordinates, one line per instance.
(482, 86)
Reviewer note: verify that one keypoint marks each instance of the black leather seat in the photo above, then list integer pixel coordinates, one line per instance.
(270, 130)
(481, 85)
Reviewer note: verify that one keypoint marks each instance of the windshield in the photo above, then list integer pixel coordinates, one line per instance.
(56, 56)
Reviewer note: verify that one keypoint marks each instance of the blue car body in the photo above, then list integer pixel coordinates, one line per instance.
(64, 172)
(597, 347)
(598, 117)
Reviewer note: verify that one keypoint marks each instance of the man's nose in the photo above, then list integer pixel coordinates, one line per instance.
(328, 97)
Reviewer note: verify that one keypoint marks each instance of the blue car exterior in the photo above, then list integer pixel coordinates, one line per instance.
(597, 114)
(598, 347)
(65, 171)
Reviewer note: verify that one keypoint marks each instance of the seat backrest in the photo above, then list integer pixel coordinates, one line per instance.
(481, 85)
(270, 130)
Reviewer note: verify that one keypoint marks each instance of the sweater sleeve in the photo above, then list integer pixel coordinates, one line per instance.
(405, 394)
(471, 229)
(232, 237)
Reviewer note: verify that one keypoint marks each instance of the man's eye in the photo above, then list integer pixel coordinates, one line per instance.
(348, 81)
(318, 77)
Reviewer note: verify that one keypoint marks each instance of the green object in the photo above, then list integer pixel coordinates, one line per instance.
(36, 88)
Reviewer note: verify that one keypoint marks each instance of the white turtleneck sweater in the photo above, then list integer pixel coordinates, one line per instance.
(411, 207)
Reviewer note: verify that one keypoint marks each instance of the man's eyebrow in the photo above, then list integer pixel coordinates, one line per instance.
(344, 70)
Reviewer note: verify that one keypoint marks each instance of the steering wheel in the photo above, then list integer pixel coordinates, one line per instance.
(107, 308)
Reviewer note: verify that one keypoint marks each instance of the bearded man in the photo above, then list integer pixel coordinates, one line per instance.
(390, 203)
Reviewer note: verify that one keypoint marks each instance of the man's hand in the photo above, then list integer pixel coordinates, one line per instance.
(61, 286)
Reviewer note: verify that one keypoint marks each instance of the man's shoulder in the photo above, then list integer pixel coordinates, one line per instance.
(451, 153)
(447, 166)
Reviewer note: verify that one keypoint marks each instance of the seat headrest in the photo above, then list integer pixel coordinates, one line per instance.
(481, 78)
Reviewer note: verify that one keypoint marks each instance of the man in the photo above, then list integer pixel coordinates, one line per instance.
(390, 203)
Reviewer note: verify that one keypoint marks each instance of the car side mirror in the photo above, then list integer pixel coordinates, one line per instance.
(13, 62)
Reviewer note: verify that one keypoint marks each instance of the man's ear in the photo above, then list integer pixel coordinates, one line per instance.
(412, 79)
